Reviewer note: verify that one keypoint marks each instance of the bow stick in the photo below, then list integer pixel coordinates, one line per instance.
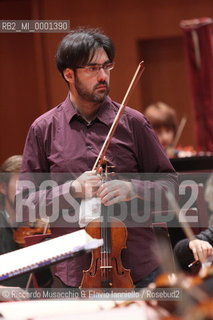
(114, 125)
(179, 132)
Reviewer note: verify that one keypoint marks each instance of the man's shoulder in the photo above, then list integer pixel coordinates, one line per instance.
(45, 117)
(132, 114)
(50, 116)
(135, 114)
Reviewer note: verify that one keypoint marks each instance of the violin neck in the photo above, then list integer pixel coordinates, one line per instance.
(105, 230)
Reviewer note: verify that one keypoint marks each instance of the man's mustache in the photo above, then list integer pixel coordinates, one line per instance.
(102, 83)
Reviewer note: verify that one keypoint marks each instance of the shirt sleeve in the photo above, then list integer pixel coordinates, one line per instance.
(206, 235)
(158, 175)
(34, 155)
(38, 195)
(183, 254)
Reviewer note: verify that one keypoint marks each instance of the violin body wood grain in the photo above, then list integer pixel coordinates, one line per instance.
(106, 270)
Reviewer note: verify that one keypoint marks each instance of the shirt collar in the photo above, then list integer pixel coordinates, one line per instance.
(106, 112)
(69, 109)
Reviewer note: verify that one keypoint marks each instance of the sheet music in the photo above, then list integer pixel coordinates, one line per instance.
(45, 253)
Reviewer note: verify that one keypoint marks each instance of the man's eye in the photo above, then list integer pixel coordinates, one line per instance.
(93, 68)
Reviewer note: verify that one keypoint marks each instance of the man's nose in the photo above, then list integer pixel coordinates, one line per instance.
(102, 74)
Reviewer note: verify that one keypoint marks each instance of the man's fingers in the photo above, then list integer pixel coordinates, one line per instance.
(210, 251)
(112, 201)
(195, 253)
(113, 195)
(201, 249)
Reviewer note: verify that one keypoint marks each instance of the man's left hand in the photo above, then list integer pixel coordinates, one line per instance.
(115, 191)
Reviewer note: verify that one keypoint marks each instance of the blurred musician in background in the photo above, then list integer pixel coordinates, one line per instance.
(9, 173)
(164, 121)
(9, 229)
(200, 248)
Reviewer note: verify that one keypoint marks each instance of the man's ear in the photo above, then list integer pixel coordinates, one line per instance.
(68, 75)
(3, 188)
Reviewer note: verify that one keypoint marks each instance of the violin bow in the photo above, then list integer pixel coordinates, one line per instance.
(179, 131)
(183, 222)
(114, 125)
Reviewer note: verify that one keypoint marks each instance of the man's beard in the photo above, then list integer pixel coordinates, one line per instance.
(92, 96)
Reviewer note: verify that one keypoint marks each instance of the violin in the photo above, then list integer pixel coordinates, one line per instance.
(195, 302)
(39, 226)
(106, 269)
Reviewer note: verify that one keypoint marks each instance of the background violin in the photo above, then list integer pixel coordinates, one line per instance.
(43, 277)
(39, 226)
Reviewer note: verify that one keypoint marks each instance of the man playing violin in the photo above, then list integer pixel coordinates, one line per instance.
(68, 138)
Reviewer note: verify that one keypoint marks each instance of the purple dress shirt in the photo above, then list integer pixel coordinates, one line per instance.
(61, 141)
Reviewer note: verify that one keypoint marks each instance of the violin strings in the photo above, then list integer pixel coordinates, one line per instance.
(107, 236)
(105, 270)
(107, 249)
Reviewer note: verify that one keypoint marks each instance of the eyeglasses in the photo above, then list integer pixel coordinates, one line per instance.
(95, 68)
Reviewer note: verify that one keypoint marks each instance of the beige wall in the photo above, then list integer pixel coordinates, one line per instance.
(30, 83)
